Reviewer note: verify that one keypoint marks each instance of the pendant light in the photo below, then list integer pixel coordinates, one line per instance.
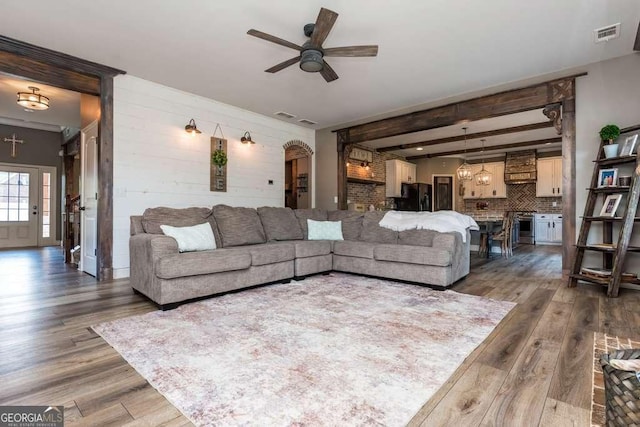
(464, 171)
(484, 176)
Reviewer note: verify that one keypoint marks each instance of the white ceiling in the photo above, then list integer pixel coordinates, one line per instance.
(429, 50)
(64, 106)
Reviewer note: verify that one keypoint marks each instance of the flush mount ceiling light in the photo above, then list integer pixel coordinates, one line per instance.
(484, 176)
(464, 171)
(246, 138)
(191, 128)
(33, 100)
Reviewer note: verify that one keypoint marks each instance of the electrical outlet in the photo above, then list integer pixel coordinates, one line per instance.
(335, 199)
(554, 204)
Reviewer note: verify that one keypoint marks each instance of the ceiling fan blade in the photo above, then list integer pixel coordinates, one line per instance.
(328, 73)
(282, 65)
(273, 39)
(370, 50)
(636, 46)
(324, 23)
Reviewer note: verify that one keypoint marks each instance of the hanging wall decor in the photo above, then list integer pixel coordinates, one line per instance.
(218, 161)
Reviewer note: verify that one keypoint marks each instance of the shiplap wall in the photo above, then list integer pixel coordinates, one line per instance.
(157, 164)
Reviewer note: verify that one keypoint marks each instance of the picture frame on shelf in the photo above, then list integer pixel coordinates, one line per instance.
(629, 145)
(610, 205)
(607, 177)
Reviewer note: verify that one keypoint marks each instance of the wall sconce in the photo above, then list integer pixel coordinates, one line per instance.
(246, 138)
(365, 165)
(191, 128)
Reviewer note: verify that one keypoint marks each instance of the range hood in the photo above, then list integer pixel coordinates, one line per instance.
(520, 167)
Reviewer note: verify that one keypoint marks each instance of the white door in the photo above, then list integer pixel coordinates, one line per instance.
(89, 199)
(18, 206)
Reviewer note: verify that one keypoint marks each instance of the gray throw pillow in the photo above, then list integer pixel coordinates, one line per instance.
(238, 226)
(280, 224)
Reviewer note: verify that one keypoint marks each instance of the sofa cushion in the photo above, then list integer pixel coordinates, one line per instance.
(153, 218)
(372, 232)
(412, 254)
(270, 253)
(351, 223)
(206, 262)
(280, 224)
(354, 249)
(238, 226)
(304, 214)
(311, 248)
(417, 237)
(194, 238)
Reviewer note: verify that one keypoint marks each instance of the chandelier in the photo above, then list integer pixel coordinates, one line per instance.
(33, 100)
(484, 176)
(464, 170)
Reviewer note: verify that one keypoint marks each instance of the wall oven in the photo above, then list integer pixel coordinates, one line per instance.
(527, 228)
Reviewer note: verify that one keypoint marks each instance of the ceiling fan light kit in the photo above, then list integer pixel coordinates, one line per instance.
(312, 53)
(33, 100)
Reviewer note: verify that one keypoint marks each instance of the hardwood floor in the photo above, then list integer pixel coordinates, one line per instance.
(533, 370)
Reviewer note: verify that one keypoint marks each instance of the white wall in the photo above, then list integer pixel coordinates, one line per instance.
(157, 164)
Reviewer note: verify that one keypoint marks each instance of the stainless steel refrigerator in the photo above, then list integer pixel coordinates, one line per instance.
(415, 197)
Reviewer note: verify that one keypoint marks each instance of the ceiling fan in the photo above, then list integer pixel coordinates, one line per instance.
(312, 53)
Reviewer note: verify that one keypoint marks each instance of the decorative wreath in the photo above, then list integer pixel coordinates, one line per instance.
(219, 158)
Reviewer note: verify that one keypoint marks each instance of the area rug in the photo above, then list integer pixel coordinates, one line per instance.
(603, 344)
(329, 350)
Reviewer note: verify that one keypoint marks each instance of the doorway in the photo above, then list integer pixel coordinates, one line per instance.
(28, 203)
(297, 176)
(443, 195)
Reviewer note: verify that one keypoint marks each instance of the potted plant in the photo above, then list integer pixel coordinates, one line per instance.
(219, 158)
(609, 133)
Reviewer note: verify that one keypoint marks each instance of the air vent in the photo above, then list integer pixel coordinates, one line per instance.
(307, 122)
(607, 33)
(285, 115)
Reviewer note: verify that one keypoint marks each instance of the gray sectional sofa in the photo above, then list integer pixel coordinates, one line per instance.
(269, 245)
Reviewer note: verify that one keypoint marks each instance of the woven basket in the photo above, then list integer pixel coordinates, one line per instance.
(622, 390)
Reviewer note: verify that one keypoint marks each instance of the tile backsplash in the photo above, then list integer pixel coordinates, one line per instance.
(520, 197)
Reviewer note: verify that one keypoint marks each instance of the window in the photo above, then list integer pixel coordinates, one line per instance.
(14, 196)
(46, 204)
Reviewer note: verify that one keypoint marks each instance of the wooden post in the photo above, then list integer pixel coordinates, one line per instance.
(568, 181)
(104, 268)
(343, 146)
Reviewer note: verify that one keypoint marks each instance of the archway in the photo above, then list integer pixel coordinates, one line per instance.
(297, 175)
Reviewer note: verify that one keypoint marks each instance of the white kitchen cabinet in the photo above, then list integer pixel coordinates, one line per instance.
(548, 229)
(397, 172)
(549, 181)
(497, 189)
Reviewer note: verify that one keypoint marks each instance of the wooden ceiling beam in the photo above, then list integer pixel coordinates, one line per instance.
(490, 148)
(485, 134)
(499, 104)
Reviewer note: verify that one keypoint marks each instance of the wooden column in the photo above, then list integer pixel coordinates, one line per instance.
(105, 181)
(343, 150)
(568, 181)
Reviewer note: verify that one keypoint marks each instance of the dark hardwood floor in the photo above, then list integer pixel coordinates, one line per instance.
(533, 370)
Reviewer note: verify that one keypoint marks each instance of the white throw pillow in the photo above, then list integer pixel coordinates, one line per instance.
(324, 230)
(196, 238)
